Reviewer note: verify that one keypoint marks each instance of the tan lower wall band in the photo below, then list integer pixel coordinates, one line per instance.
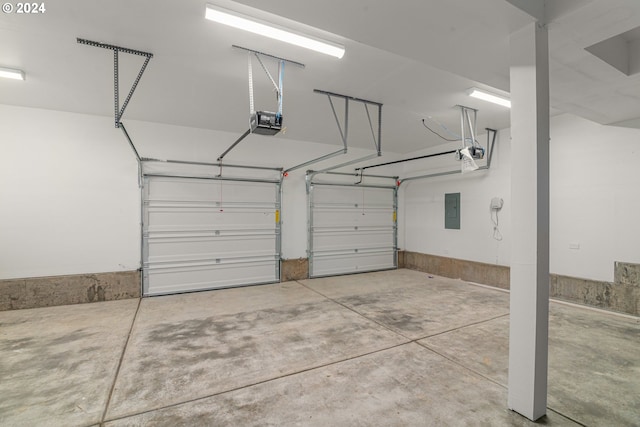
(72, 289)
(622, 296)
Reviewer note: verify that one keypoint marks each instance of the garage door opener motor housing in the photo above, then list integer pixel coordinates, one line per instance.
(265, 123)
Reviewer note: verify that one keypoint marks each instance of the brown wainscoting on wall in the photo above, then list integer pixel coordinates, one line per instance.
(627, 273)
(623, 295)
(401, 259)
(73, 289)
(294, 269)
(486, 274)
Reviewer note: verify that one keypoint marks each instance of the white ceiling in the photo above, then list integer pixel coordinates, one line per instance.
(418, 58)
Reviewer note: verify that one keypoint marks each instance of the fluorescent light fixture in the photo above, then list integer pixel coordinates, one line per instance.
(256, 26)
(486, 96)
(10, 73)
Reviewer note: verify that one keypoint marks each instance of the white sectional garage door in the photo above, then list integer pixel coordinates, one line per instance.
(208, 233)
(352, 229)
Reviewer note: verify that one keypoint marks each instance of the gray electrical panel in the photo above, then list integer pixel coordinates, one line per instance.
(452, 211)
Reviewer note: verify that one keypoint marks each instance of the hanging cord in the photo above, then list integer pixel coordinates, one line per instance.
(497, 235)
(362, 200)
(443, 127)
(424, 123)
(437, 134)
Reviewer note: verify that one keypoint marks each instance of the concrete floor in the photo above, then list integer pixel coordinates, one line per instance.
(394, 348)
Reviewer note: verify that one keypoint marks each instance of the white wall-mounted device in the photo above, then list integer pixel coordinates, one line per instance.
(496, 204)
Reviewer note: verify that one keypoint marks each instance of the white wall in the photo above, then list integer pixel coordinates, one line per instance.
(70, 203)
(422, 219)
(69, 200)
(595, 197)
(69, 196)
(595, 203)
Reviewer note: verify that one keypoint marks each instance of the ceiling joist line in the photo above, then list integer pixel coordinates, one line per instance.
(344, 134)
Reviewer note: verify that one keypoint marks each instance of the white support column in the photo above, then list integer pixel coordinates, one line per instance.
(529, 305)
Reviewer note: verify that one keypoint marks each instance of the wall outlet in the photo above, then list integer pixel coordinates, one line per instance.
(574, 245)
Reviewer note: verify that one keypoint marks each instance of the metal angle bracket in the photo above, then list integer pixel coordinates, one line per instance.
(298, 64)
(344, 133)
(468, 119)
(119, 111)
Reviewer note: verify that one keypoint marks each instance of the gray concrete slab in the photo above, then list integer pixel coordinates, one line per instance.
(194, 345)
(284, 354)
(403, 386)
(483, 348)
(227, 301)
(594, 366)
(356, 284)
(57, 364)
(594, 361)
(412, 303)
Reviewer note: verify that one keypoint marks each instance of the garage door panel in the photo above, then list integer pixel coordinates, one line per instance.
(355, 207)
(214, 207)
(350, 195)
(184, 278)
(352, 229)
(176, 219)
(326, 218)
(336, 239)
(194, 240)
(219, 232)
(327, 264)
(175, 190)
(184, 248)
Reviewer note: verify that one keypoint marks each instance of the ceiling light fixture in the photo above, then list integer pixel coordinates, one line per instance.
(10, 73)
(256, 26)
(486, 96)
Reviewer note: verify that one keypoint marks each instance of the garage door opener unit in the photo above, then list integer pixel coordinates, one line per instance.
(263, 122)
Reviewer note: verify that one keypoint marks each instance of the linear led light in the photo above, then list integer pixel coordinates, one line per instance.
(256, 26)
(486, 96)
(10, 73)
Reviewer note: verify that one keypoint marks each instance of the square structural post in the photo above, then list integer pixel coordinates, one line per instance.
(529, 299)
